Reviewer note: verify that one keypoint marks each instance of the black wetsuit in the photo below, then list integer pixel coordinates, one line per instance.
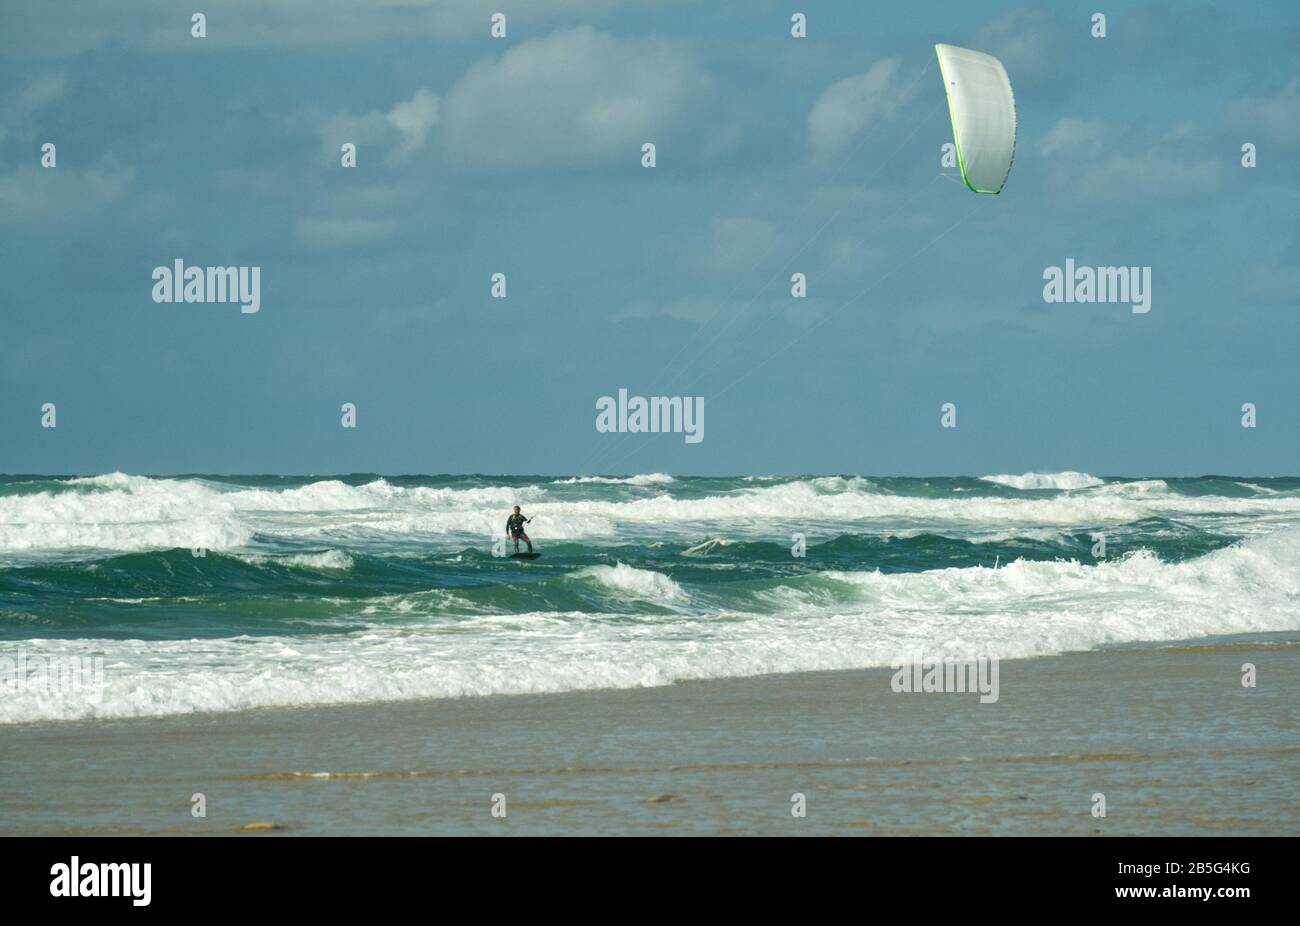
(515, 528)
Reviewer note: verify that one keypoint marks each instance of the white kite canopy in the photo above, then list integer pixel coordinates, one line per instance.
(983, 111)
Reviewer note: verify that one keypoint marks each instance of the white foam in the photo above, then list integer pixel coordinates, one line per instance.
(1138, 488)
(1263, 490)
(1065, 481)
(635, 583)
(125, 513)
(648, 479)
(329, 559)
(709, 547)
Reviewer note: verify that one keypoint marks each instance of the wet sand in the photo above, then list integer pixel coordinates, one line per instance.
(1167, 733)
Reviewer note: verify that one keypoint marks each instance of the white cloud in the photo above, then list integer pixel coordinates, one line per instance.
(1087, 161)
(42, 91)
(393, 136)
(1274, 119)
(573, 99)
(739, 244)
(579, 98)
(37, 195)
(19, 107)
(848, 107)
(1150, 173)
(1278, 282)
(1073, 135)
(687, 309)
(414, 119)
(1026, 41)
(328, 233)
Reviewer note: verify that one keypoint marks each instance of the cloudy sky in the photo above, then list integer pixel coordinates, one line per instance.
(522, 155)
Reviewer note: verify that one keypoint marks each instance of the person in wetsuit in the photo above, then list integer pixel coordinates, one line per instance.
(515, 529)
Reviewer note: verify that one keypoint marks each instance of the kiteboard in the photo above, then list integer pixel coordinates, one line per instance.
(524, 555)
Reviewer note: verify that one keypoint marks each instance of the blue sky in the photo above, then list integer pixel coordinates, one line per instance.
(522, 155)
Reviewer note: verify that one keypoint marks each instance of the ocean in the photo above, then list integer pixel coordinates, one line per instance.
(217, 594)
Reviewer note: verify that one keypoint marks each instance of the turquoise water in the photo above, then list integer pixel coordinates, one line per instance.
(211, 593)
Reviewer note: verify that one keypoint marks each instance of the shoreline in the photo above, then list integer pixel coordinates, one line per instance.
(1165, 731)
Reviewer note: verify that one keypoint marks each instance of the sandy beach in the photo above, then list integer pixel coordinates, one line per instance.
(1166, 732)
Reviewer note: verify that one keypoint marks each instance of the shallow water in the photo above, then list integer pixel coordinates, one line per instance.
(1166, 733)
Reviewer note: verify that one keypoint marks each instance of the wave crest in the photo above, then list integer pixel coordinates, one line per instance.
(1064, 481)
